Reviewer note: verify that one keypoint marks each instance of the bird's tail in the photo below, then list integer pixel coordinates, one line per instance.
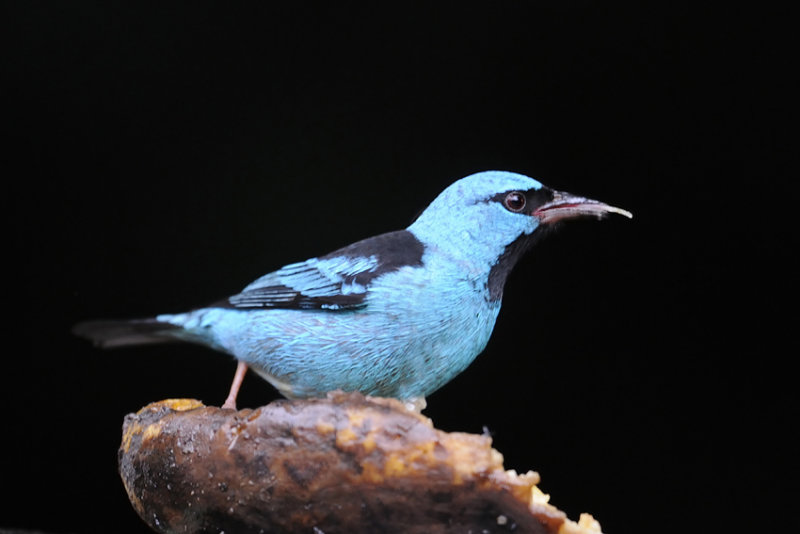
(108, 334)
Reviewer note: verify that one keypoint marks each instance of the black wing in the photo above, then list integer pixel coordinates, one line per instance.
(337, 281)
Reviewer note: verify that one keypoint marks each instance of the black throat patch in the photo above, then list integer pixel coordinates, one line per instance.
(509, 258)
(534, 199)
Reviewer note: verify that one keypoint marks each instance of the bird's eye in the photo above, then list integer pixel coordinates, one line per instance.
(515, 201)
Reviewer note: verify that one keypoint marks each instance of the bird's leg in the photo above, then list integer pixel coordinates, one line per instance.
(230, 402)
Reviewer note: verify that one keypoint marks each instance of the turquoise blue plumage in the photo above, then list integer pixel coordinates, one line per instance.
(396, 315)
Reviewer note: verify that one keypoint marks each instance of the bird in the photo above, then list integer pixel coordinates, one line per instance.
(396, 315)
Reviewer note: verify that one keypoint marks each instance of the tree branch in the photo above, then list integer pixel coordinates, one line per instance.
(342, 464)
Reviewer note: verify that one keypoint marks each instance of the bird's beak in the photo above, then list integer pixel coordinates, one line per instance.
(567, 206)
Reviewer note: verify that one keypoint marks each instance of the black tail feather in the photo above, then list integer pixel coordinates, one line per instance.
(108, 334)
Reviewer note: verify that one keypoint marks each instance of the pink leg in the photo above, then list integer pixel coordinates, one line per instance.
(230, 402)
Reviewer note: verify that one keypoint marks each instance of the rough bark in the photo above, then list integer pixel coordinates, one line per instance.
(345, 464)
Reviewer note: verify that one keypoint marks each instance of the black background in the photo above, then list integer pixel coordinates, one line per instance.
(164, 155)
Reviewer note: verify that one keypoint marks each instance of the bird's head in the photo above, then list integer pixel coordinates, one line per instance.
(491, 218)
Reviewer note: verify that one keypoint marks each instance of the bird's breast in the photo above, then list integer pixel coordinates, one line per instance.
(419, 328)
(447, 309)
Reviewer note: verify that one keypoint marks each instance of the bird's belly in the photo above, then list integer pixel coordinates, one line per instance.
(401, 353)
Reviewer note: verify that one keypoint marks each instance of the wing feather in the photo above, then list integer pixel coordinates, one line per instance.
(335, 282)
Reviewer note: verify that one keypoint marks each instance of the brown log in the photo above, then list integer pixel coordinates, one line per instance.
(345, 464)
